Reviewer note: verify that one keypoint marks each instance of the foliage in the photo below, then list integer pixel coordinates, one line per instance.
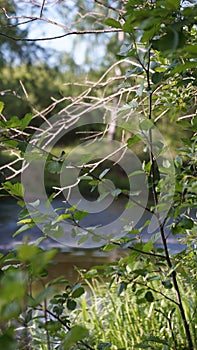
(22, 308)
(148, 300)
(32, 88)
(136, 310)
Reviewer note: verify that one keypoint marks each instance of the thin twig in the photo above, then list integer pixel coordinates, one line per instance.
(42, 8)
(155, 255)
(159, 292)
(109, 7)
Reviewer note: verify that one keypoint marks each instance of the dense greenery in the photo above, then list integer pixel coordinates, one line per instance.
(147, 299)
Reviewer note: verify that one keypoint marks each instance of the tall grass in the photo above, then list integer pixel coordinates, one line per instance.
(127, 321)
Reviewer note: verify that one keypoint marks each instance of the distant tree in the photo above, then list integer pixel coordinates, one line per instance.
(15, 51)
(32, 88)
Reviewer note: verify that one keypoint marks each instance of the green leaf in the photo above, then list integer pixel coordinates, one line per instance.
(157, 340)
(83, 238)
(113, 23)
(7, 342)
(27, 252)
(146, 124)
(150, 339)
(71, 209)
(71, 304)
(80, 214)
(148, 247)
(22, 229)
(54, 167)
(136, 172)
(178, 161)
(22, 145)
(25, 121)
(139, 91)
(192, 49)
(85, 177)
(109, 247)
(136, 71)
(153, 278)
(98, 239)
(85, 158)
(183, 67)
(132, 140)
(172, 4)
(49, 200)
(55, 231)
(1, 106)
(13, 285)
(172, 269)
(45, 294)
(25, 221)
(14, 189)
(58, 280)
(121, 287)
(75, 334)
(157, 77)
(78, 292)
(35, 204)
(129, 106)
(10, 143)
(167, 284)
(127, 26)
(170, 41)
(182, 225)
(13, 122)
(125, 49)
(149, 297)
(103, 346)
(61, 218)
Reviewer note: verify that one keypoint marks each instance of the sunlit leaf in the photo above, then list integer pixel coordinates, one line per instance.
(148, 247)
(132, 140)
(1, 106)
(14, 189)
(80, 214)
(25, 121)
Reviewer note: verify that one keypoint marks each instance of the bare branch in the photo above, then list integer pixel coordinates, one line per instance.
(76, 32)
(18, 24)
(42, 8)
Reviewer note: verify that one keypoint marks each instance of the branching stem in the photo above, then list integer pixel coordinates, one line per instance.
(161, 225)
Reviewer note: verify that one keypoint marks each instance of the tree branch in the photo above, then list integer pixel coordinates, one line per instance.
(76, 32)
(109, 7)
